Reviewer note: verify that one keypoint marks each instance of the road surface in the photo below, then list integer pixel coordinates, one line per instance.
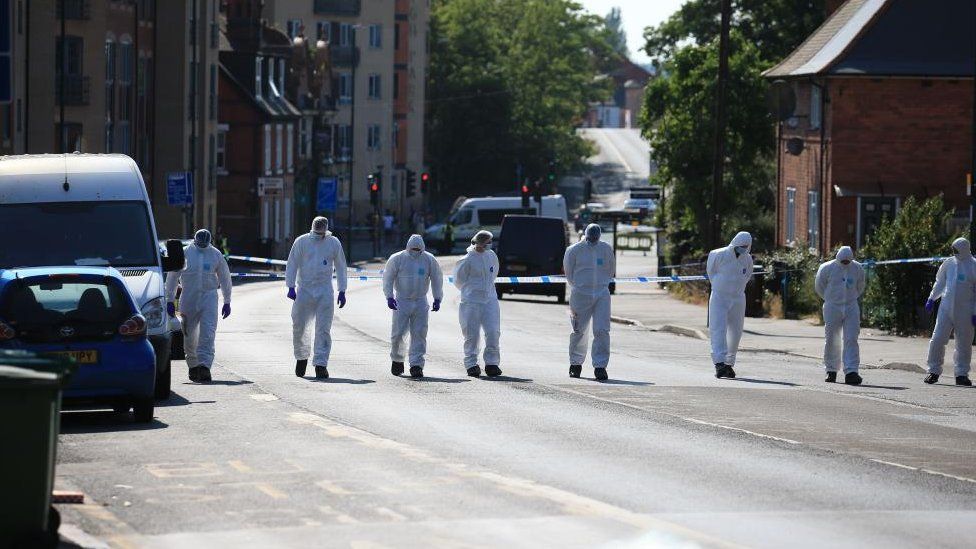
(622, 160)
(662, 455)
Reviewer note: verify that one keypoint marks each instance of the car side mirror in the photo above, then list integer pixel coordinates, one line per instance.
(174, 259)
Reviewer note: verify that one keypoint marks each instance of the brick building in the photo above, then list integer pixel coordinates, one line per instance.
(884, 102)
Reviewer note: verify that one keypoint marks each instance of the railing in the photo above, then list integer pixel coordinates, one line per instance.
(337, 7)
(344, 56)
(75, 9)
(76, 89)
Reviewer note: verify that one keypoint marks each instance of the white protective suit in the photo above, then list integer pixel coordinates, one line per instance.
(205, 271)
(840, 286)
(589, 266)
(311, 264)
(475, 276)
(728, 275)
(407, 278)
(955, 283)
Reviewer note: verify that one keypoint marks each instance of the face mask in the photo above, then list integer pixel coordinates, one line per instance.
(414, 253)
(740, 250)
(846, 261)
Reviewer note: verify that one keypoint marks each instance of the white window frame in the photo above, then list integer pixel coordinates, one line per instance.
(373, 137)
(345, 88)
(267, 149)
(376, 36)
(294, 27)
(279, 148)
(323, 31)
(374, 87)
(290, 148)
(258, 62)
(345, 34)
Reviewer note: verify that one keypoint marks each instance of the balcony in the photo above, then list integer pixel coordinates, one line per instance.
(349, 8)
(344, 56)
(76, 88)
(75, 10)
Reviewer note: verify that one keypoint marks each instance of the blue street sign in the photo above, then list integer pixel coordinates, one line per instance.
(179, 188)
(325, 196)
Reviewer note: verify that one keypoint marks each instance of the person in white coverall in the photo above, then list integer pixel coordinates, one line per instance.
(313, 259)
(955, 283)
(475, 276)
(729, 270)
(409, 274)
(840, 283)
(203, 274)
(589, 266)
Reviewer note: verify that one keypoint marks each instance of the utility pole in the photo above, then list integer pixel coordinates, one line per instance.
(972, 166)
(720, 122)
(62, 81)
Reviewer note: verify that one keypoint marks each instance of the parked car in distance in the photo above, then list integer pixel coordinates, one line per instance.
(475, 214)
(85, 314)
(532, 246)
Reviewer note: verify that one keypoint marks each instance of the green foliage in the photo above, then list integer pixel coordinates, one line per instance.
(896, 293)
(615, 28)
(794, 270)
(509, 80)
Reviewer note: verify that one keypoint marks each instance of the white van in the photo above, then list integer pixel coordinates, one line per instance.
(90, 210)
(475, 214)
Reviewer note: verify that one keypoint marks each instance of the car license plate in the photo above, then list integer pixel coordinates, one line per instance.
(517, 268)
(80, 357)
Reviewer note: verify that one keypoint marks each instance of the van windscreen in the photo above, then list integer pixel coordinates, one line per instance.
(77, 233)
(494, 217)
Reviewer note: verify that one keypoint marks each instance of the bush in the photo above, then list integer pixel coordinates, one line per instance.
(791, 279)
(896, 293)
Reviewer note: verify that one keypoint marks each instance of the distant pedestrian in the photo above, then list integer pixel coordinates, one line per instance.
(840, 283)
(955, 284)
(729, 270)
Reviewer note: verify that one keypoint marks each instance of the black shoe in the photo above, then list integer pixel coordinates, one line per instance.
(575, 370)
(852, 378)
(492, 371)
(931, 378)
(397, 368)
(416, 371)
(964, 380)
(300, 367)
(729, 372)
(203, 374)
(194, 373)
(600, 374)
(321, 372)
(719, 370)
(831, 377)
(474, 371)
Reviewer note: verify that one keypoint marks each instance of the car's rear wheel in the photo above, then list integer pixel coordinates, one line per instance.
(143, 410)
(164, 382)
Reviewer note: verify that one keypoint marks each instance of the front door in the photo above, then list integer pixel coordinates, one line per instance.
(872, 210)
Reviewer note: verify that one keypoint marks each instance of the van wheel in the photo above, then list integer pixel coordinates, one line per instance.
(164, 382)
(143, 410)
(561, 296)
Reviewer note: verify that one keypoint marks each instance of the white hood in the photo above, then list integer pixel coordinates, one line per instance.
(742, 239)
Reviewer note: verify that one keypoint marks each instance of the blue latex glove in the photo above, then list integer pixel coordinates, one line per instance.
(291, 294)
(225, 312)
(342, 299)
(391, 303)
(929, 305)
(437, 305)
(171, 308)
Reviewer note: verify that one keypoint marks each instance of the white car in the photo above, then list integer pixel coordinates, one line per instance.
(648, 204)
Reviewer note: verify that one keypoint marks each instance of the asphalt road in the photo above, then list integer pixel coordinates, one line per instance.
(622, 160)
(663, 454)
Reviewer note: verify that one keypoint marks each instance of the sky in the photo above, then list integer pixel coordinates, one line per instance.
(636, 14)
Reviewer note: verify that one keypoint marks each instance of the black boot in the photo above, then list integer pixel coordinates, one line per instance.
(729, 372)
(600, 374)
(416, 371)
(397, 368)
(575, 370)
(719, 370)
(931, 378)
(321, 372)
(492, 371)
(192, 374)
(474, 371)
(852, 378)
(964, 380)
(203, 374)
(831, 377)
(300, 366)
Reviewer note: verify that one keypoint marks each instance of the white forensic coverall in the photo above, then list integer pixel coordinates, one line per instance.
(475, 276)
(955, 283)
(205, 271)
(840, 286)
(728, 275)
(407, 277)
(589, 268)
(311, 263)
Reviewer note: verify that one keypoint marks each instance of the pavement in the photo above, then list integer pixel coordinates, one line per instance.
(661, 455)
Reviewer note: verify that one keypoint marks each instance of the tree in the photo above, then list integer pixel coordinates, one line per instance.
(615, 29)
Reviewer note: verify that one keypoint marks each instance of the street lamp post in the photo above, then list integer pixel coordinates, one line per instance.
(718, 166)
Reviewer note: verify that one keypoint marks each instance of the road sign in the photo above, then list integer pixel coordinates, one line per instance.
(179, 188)
(271, 186)
(325, 196)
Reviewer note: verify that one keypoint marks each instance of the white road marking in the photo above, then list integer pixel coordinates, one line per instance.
(893, 464)
(264, 397)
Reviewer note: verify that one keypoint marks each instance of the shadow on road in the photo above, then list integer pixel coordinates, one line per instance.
(438, 380)
(621, 382)
(508, 379)
(221, 382)
(342, 380)
(539, 301)
(889, 387)
(176, 399)
(103, 421)
(765, 382)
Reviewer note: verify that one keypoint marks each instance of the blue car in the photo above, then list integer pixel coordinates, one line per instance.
(86, 314)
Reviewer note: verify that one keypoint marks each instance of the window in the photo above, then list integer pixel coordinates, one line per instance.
(305, 138)
(279, 148)
(790, 215)
(281, 75)
(257, 76)
(272, 86)
(373, 86)
(213, 91)
(221, 149)
(294, 28)
(396, 36)
(290, 156)
(267, 149)
(396, 85)
(345, 87)
(345, 34)
(813, 219)
(373, 137)
(344, 141)
(72, 48)
(322, 31)
(376, 36)
(463, 217)
(816, 114)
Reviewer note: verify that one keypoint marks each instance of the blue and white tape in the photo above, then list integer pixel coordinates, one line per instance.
(282, 263)
(547, 279)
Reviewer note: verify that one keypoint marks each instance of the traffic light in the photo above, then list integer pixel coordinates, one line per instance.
(411, 183)
(373, 180)
(425, 182)
(537, 193)
(525, 196)
(551, 174)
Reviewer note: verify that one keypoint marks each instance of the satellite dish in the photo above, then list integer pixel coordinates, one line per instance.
(781, 100)
(794, 146)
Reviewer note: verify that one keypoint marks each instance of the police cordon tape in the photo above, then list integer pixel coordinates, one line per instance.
(282, 263)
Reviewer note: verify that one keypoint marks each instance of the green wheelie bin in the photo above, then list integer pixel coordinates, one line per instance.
(30, 403)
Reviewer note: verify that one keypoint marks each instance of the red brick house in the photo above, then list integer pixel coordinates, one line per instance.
(884, 102)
